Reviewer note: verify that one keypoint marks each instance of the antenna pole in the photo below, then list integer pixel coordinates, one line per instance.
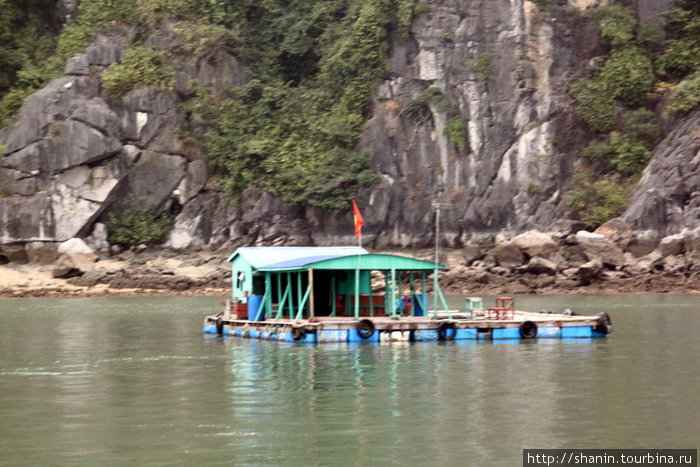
(436, 208)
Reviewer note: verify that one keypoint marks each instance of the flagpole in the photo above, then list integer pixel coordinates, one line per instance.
(358, 221)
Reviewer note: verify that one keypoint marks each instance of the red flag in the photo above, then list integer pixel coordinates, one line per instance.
(357, 217)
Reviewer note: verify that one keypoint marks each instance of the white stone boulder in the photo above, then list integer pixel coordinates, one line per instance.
(535, 243)
(597, 246)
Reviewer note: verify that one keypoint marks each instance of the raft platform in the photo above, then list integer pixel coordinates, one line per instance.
(345, 294)
(524, 325)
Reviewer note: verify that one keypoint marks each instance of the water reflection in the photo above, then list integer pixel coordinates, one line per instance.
(330, 400)
(111, 382)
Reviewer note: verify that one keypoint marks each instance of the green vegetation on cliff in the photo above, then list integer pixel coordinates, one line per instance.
(27, 38)
(140, 67)
(293, 127)
(311, 69)
(311, 66)
(616, 101)
(133, 225)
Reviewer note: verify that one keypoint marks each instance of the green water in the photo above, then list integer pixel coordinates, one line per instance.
(115, 382)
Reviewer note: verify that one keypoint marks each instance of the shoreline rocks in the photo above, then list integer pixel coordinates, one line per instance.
(530, 263)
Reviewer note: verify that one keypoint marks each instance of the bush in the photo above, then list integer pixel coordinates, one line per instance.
(456, 131)
(405, 16)
(682, 51)
(312, 72)
(140, 67)
(133, 226)
(414, 105)
(597, 155)
(629, 156)
(617, 23)
(627, 74)
(155, 11)
(544, 4)
(201, 40)
(641, 125)
(595, 103)
(686, 96)
(11, 103)
(344, 177)
(624, 155)
(596, 202)
(436, 96)
(431, 95)
(483, 68)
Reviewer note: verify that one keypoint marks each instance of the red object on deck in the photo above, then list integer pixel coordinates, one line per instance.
(240, 310)
(504, 309)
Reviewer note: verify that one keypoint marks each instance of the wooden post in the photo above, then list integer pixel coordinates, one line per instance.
(311, 288)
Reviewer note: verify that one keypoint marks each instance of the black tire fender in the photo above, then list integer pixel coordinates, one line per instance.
(446, 331)
(604, 323)
(528, 330)
(365, 328)
(219, 325)
(298, 333)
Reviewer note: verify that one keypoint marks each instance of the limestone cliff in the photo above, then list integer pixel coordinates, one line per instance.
(474, 114)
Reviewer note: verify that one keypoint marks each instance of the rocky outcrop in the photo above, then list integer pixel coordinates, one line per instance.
(72, 156)
(494, 148)
(578, 262)
(501, 65)
(667, 198)
(60, 167)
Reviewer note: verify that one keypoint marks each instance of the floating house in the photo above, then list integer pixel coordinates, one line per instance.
(347, 294)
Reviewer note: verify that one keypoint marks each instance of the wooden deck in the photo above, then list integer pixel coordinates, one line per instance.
(408, 323)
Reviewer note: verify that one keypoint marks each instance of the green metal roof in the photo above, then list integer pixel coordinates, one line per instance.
(292, 258)
(280, 259)
(374, 262)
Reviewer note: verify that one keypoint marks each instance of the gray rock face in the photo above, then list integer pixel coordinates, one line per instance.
(500, 67)
(78, 65)
(72, 143)
(71, 157)
(503, 70)
(667, 198)
(55, 102)
(25, 219)
(66, 10)
(105, 50)
(152, 182)
(148, 113)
